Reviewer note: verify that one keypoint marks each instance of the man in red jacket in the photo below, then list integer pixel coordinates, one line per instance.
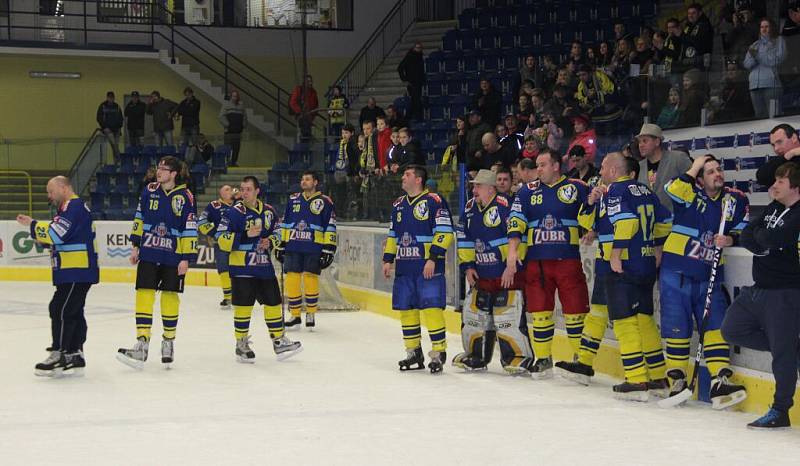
(302, 103)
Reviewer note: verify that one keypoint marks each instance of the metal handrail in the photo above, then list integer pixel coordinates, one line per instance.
(27, 175)
(79, 160)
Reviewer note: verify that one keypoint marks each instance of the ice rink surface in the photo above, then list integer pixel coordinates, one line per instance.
(341, 401)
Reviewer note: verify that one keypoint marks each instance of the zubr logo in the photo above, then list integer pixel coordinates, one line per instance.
(24, 244)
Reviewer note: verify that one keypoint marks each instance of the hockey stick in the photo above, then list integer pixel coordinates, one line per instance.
(686, 393)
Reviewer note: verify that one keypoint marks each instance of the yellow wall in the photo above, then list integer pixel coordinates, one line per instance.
(40, 110)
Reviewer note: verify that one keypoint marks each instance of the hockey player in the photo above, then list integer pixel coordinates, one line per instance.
(545, 214)
(421, 230)
(246, 232)
(207, 224)
(307, 246)
(164, 241)
(631, 225)
(70, 237)
(699, 197)
(490, 311)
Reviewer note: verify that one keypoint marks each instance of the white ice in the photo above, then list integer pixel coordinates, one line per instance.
(341, 401)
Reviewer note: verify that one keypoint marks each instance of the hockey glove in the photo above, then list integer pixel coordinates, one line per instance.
(326, 258)
(280, 251)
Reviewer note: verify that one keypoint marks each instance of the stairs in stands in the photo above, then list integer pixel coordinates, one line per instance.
(14, 194)
(385, 84)
(233, 177)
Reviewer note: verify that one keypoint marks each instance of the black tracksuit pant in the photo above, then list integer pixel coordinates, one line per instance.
(67, 322)
(768, 320)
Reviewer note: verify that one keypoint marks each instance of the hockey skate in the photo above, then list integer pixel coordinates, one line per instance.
(631, 391)
(469, 363)
(50, 366)
(225, 305)
(291, 323)
(679, 391)
(310, 321)
(73, 365)
(244, 353)
(286, 348)
(415, 358)
(723, 393)
(659, 388)
(438, 360)
(542, 369)
(136, 356)
(520, 367)
(575, 371)
(773, 420)
(167, 352)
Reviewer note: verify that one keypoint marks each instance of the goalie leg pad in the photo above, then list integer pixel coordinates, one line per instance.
(477, 329)
(509, 319)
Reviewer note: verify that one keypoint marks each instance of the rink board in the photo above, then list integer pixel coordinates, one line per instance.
(358, 271)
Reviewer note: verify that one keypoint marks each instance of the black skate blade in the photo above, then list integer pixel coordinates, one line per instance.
(726, 401)
(676, 400)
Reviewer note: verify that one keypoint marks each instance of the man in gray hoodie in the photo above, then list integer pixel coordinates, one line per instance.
(162, 110)
(233, 118)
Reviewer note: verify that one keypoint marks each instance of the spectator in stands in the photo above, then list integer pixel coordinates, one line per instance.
(345, 172)
(369, 170)
(529, 72)
(790, 31)
(337, 106)
(561, 103)
(526, 170)
(744, 32)
(583, 135)
(631, 150)
(554, 131)
(621, 63)
(371, 111)
(134, 114)
(594, 89)
(604, 55)
(513, 132)
(395, 151)
(149, 177)
(162, 111)
(410, 153)
(670, 113)
(591, 57)
(477, 128)
(201, 151)
(489, 102)
(384, 143)
(566, 78)
(524, 107)
(692, 100)
(733, 101)
(763, 59)
(673, 52)
(458, 143)
(501, 132)
(538, 105)
(786, 144)
(647, 34)
(698, 35)
(531, 148)
(642, 56)
(503, 180)
(233, 119)
(582, 169)
(549, 71)
(303, 104)
(658, 165)
(412, 72)
(620, 32)
(576, 54)
(189, 112)
(491, 154)
(110, 120)
(393, 117)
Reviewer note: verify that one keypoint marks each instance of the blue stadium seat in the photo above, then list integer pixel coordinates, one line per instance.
(452, 62)
(126, 164)
(625, 9)
(646, 9)
(133, 200)
(603, 11)
(505, 39)
(115, 201)
(468, 41)
(167, 150)
(450, 40)
(98, 200)
(134, 151)
(467, 19)
(470, 62)
(98, 214)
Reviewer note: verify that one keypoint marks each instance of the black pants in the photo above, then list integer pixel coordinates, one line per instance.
(235, 141)
(415, 93)
(768, 320)
(67, 322)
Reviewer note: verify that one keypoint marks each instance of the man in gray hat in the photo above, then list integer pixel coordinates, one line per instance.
(491, 311)
(658, 166)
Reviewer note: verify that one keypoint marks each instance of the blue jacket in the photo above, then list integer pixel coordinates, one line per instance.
(764, 66)
(70, 236)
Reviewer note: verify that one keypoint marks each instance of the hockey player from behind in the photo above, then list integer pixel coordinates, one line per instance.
(207, 224)
(490, 311)
(699, 197)
(71, 238)
(307, 246)
(164, 241)
(637, 224)
(421, 230)
(246, 233)
(545, 216)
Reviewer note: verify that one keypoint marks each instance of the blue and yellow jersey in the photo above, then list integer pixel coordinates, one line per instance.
(689, 248)
(421, 229)
(209, 220)
(545, 217)
(247, 257)
(587, 218)
(71, 238)
(482, 237)
(309, 223)
(165, 227)
(629, 217)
